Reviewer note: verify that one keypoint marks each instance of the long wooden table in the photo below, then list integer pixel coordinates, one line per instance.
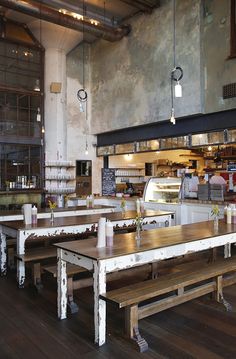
(15, 215)
(67, 225)
(155, 245)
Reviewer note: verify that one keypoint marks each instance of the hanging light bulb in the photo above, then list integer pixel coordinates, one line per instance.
(43, 129)
(178, 90)
(38, 117)
(37, 85)
(86, 147)
(172, 117)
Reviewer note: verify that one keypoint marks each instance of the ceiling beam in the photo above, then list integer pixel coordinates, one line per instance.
(142, 5)
(90, 10)
(46, 13)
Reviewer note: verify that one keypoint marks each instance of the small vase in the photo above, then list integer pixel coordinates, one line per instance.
(52, 216)
(216, 224)
(138, 233)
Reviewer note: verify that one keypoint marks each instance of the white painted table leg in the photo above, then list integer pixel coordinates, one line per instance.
(3, 255)
(61, 286)
(20, 264)
(99, 304)
(227, 250)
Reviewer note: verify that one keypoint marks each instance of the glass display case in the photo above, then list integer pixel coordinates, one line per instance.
(162, 190)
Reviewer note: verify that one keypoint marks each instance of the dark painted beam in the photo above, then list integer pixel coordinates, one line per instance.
(187, 125)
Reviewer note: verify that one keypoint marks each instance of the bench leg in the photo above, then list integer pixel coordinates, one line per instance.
(10, 258)
(219, 289)
(73, 307)
(154, 270)
(131, 327)
(219, 294)
(213, 255)
(37, 276)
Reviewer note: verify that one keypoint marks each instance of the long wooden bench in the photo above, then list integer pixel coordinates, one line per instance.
(36, 256)
(173, 289)
(71, 270)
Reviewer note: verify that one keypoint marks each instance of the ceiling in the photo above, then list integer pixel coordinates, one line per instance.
(107, 19)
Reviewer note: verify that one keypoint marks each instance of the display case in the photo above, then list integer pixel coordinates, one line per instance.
(162, 190)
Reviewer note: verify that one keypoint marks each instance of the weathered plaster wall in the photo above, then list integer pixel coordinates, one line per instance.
(130, 79)
(219, 70)
(77, 125)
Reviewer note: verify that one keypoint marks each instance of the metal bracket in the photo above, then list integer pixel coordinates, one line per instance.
(226, 304)
(142, 344)
(73, 307)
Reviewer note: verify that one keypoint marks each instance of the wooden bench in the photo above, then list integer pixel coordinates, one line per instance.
(71, 271)
(11, 248)
(36, 256)
(177, 288)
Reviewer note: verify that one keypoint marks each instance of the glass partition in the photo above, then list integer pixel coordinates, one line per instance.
(20, 167)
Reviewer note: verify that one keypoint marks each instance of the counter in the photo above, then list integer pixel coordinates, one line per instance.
(107, 201)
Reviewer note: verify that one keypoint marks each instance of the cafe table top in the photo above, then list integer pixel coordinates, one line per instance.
(125, 244)
(83, 220)
(12, 212)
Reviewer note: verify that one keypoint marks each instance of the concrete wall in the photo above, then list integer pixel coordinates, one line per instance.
(130, 79)
(78, 128)
(219, 70)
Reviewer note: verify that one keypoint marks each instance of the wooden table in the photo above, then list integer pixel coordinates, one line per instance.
(66, 225)
(15, 215)
(155, 245)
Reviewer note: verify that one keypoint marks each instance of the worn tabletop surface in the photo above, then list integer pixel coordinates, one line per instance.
(153, 239)
(81, 220)
(63, 209)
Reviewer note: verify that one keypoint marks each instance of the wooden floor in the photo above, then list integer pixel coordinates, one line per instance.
(29, 328)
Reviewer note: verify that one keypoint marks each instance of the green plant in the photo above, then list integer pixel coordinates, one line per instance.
(215, 212)
(139, 222)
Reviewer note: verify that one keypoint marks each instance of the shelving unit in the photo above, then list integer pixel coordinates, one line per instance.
(58, 177)
(134, 175)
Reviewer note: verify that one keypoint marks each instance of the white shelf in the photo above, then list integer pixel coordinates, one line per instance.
(60, 190)
(59, 164)
(60, 178)
(167, 190)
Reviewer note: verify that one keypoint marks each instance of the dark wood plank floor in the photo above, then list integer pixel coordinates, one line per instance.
(29, 328)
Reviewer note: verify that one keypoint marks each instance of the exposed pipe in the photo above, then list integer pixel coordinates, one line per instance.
(142, 4)
(43, 12)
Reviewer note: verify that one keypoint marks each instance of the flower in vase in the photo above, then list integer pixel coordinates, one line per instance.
(215, 212)
(123, 204)
(52, 204)
(139, 222)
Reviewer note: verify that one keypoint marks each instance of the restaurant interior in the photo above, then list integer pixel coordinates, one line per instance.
(117, 179)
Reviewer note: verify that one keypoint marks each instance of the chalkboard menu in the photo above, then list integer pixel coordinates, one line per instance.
(108, 181)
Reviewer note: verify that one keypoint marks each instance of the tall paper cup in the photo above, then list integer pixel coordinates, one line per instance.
(101, 241)
(27, 211)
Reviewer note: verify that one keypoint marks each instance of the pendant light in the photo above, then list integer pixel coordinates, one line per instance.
(82, 94)
(176, 72)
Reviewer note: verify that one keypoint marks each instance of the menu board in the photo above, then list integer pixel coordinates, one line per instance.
(108, 181)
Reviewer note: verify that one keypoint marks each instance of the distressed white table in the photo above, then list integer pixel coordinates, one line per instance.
(155, 245)
(15, 215)
(67, 225)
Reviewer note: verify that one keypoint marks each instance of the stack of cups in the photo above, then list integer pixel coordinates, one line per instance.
(109, 234)
(27, 211)
(101, 240)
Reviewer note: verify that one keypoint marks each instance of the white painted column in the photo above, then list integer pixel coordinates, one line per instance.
(3, 254)
(55, 105)
(99, 287)
(61, 286)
